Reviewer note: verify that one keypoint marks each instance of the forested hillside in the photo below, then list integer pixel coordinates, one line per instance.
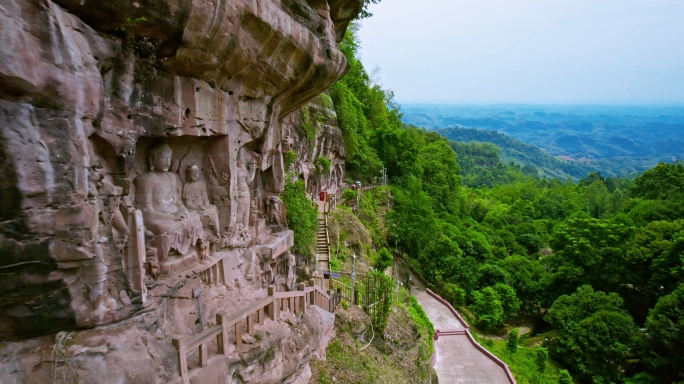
(526, 155)
(596, 267)
(614, 140)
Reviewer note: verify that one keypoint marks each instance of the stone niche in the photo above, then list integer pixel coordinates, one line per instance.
(91, 230)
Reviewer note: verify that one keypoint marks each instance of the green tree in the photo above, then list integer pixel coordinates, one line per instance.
(564, 377)
(455, 294)
(595, 335)
(525, 277)
(384, 260)
(540, 357)
(665, 326)
(665, 181)
(512, 343)
(487, 307)
(592, 250)
(509, 301)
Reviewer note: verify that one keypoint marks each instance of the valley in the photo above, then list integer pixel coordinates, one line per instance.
(614, 140)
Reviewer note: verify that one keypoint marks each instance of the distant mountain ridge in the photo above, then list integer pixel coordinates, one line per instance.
(521, 153)
(616, 140)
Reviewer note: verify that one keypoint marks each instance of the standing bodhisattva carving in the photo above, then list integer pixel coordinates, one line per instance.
(245, 176)
(196, 199)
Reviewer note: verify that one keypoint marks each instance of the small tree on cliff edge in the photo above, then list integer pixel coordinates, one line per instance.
(512, 344)
(541, 355)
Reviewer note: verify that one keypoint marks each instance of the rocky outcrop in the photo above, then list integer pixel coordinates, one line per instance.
(94, 96)
(137, 351)
(313, 133)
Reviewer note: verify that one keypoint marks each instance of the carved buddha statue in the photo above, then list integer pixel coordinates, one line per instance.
(158, 196)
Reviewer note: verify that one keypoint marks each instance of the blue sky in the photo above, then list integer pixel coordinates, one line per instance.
(527, 51)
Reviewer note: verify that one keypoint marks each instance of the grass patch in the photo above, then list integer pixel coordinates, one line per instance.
(396, 357)
(522, 363)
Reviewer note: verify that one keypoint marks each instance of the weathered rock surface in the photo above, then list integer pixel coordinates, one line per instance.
(88, 88)
(313, 132)
(137, 351)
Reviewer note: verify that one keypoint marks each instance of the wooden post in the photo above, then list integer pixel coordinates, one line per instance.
(271, 308)
(238, 334)
(250, 324)
(222, 338)
(260, 314)
(204, 354)
(182, 359)
(297, 306)
(302, 300)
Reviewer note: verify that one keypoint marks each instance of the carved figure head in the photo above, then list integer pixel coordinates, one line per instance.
(159, 156)
(193, 173)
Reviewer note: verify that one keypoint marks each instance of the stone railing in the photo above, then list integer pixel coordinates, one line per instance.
(272, 306)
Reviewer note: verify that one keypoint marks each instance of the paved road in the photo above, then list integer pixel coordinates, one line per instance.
(458, 361)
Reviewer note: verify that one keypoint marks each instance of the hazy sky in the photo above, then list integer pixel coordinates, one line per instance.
(527, 51)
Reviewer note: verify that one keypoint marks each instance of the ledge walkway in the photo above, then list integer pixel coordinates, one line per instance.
(459, 359)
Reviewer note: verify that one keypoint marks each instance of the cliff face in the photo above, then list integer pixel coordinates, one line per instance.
(93, 94)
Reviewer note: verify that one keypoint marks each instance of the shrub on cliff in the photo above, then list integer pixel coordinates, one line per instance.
(302, 217)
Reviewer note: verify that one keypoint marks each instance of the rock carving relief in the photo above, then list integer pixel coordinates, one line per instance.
(126, 169)
(174, 229)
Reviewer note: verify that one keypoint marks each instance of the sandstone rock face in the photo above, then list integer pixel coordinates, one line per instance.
(141, 150)
(137, 351)
(313, 132)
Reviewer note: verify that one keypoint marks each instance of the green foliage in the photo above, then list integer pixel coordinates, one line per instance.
(591, 324)
(349, 194)
(509, 301)
(542, 354)
(620, 141)
(592, 249)
(564, 377)
(381, 299)
(512, 343)
(364, 12)
(455, 294)
(130, 23)
(665, 181)
(384, 260)
(480, 153)
(302, 218)
(323, 165)
(425, 327)
(289, 159)
(487, 307)
(665, 325)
